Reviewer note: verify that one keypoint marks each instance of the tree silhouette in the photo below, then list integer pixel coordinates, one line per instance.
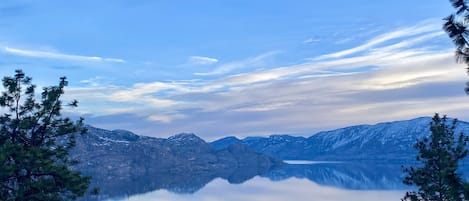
(34, 143)
(456, 26)
(439, 154)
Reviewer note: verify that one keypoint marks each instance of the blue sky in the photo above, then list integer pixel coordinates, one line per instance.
(240, 68)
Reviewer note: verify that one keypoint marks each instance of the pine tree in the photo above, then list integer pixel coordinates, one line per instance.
(456, 26)
(34, 144)
(437, 179)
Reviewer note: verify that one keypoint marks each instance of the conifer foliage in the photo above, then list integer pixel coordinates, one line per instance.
(34, 143)
(439, 154)
(456, 26)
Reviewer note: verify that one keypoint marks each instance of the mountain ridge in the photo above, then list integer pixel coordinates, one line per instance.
(120, 159)
(382, 141)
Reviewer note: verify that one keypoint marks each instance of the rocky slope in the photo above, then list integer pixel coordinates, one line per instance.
(122, 160)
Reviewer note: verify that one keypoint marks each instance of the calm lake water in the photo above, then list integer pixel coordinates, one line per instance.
(301, 180)
(263, 189)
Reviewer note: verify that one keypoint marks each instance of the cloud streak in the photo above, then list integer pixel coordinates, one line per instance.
(403, 32)
(57, 55)
(397, 74)
(311, 40)
(251, 62)
(200, 60)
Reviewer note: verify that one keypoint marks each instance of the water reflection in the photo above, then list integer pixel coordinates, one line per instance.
(263, 189)
(180, 183)
(355, 176)
(328, 181)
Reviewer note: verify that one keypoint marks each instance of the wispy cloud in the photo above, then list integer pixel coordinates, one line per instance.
(200, 60)
(145, 93)
(251, 62)
(58, 55)
(403, 77)
(400, 33)
(404, 44)
(160, 118)
(94, 81)
(311, 40)
(344, 40)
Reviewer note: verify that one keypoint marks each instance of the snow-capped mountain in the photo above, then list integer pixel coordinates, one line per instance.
(383, 141)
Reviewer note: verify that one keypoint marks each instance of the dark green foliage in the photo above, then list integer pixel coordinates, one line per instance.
(439, 154)
(456, 26)
(34, 144)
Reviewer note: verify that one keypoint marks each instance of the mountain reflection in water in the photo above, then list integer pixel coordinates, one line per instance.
(362, 181)
(354, 176)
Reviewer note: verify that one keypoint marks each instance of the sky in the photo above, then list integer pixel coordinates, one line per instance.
(238, 67)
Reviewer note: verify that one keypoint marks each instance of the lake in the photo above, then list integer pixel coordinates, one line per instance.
(302, 180)
(263, 189)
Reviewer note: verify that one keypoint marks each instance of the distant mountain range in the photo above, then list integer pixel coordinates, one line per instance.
(384, 141)
(123, 163)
